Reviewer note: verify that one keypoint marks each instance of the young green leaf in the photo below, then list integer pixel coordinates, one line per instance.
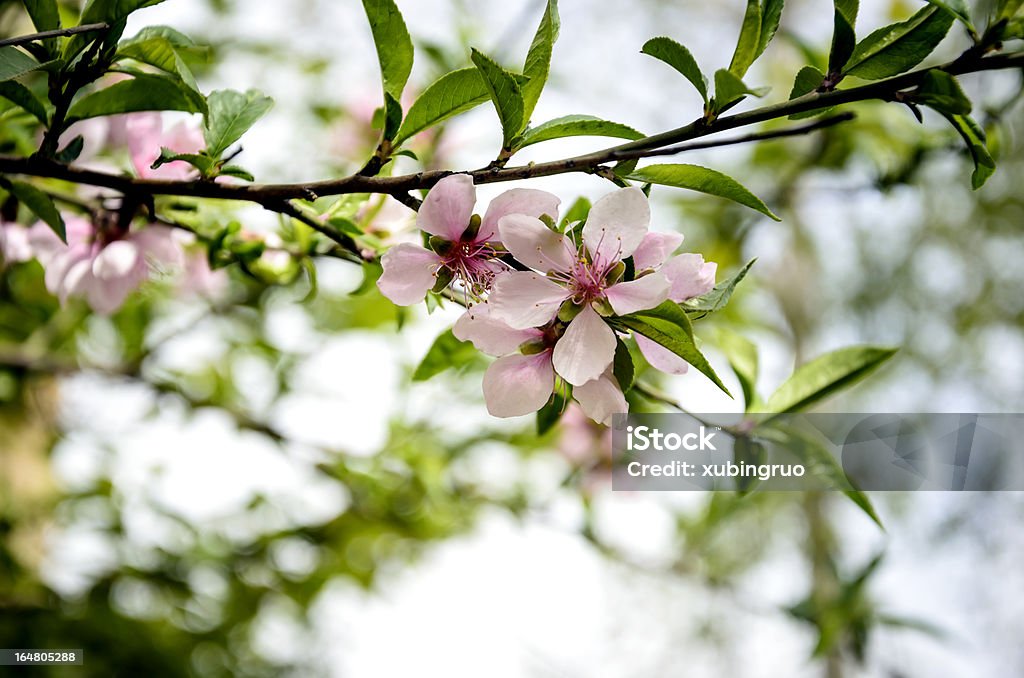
(697, 178)
(1007, 9)
(622, 366)
(14, 63)
(808, 79)
(974, 136)
(825, 375)
(394, 46)
(771, 15)
(941, 91)
(538, 59)
(742, 356)
(445, 352)
(552, 411)
(719, 296)
(231, 114)
(506, 94)
(577, 126)
(451, 94)
(201, 162)
(669, 326)
(679, 58)
(22, 96)
(749, 40)
(112, 12)
(896, 48)
(844, 39)
(141, 93)
(41, 205)
(729, 89)
(577, 212)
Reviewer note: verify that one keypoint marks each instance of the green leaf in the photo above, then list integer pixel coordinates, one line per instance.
(451, 94)
(825, 375)
(22, 96)
(394, 46)
(70, 153)
(392, 116)
(771, 15)
(201, 162)
(749, 40)
(231, 114)
(577, 126)
(622, 366)
(697, 178)
(959, 10)
(941, 91)
(669, 326)
(1007, 9)
(808, 79)
(899, 47)
(974, 136)
(679, 58)
(538, 59)
(236, 171)
(160, 51)
(719, 296)
(44, 13)
(141, 93)
(552, 411)
(820, 462)
(729, 89)
(445, 352)
(576, 213)
(41, 205)
(844, 38)
(14, 63)
(742, 356)
(506, 94)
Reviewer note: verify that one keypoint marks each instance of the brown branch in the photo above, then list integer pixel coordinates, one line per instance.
(270, 195)
(57, 33)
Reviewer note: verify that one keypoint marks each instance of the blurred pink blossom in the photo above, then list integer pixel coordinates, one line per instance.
(146, 136)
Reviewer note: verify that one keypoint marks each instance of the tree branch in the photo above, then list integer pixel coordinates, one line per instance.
(271, 195)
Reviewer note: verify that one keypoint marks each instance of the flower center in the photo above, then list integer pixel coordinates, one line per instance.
(470, 263)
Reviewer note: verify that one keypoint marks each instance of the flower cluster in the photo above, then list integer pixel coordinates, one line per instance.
(543, 298)
(102, 260)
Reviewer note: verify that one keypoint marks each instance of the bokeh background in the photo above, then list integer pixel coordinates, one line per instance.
(269, 493)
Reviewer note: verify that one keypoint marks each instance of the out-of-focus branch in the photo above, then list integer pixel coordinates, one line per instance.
(57, 33)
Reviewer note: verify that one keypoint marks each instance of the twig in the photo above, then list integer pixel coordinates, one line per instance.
(57, 33)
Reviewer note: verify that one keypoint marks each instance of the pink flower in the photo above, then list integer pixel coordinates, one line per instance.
(103, 268)
(146, 136)
(520, 383)
(15, 243)
(589, 277)
(463, 246)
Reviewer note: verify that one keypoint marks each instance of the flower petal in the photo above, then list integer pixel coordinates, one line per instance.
(586, 349)
(638, 295)
(534, 244)
(617, 224)
(601, 398)
(448, 207)
(409, 271)
(488, 334)
(690, 276)
(14, 243)
(116, 260)
(528, 201)
(660, 357)
(105, 296)
(518, 384)
(524, 299)
(160, 244)
(654, 249)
